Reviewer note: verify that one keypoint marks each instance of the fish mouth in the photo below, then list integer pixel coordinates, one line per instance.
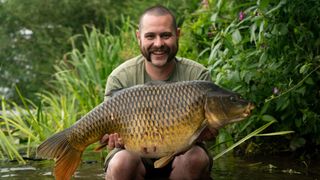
(248, 109)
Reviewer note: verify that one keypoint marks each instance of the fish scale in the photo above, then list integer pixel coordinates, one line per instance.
(155, 120)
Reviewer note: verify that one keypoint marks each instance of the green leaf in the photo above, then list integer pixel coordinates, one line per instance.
(298, 122)
(280, 133)
(265, 108)
(263, 3)
(305, 68)
(263, 59)
(228, 42)
(214, 17)
(282, 103)
(301, 90)
(253, 28)
(280, 29)
(214, 51)
(268, 118)
(309, 81)
(236, 37)
(254, 133)
(297, 143)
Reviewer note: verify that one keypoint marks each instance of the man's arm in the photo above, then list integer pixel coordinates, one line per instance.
(112, 84)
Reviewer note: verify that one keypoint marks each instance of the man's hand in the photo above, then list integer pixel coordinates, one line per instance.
(208, 133)
(112, 141)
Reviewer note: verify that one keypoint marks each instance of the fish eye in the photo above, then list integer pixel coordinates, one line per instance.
(233, 98)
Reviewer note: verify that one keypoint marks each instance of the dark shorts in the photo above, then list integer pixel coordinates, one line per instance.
(148, 163)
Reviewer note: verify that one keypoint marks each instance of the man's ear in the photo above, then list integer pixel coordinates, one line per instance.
(138, 35)
(178, 32)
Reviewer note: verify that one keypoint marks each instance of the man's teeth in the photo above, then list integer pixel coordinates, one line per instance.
(158, 52)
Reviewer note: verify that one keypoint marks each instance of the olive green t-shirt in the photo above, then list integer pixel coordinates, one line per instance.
(132, 72)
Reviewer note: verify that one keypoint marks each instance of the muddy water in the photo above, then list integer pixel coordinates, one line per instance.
(225, 168)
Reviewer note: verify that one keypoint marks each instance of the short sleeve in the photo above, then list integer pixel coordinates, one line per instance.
(112, 84)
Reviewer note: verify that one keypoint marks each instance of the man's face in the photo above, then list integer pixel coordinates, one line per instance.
(158, 39)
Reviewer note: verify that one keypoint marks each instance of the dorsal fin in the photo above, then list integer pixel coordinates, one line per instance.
(159, 82)
(113, 91)
(156, 82)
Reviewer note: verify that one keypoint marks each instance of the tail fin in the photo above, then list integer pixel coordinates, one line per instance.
(67, 158)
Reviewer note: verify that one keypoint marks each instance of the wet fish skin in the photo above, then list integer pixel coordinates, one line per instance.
(154, 120)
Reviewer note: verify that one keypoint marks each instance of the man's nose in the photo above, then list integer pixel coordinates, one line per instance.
(158, 42)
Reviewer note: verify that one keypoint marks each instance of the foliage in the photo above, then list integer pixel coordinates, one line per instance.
(78, 84)
(269, 52)
(78, 87)
(84, 74)
(18, 126)
(35, 34)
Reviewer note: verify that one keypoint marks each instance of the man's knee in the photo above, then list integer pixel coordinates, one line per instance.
(125, 165)
(193, 164)
(197, 156)
(200, 156)
(123, 160)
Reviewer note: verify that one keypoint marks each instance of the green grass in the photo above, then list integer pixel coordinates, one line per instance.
(79, 84)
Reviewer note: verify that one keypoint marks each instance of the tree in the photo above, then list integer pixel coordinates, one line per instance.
(35, 35)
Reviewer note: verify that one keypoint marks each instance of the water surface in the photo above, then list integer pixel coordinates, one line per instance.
(225, 168)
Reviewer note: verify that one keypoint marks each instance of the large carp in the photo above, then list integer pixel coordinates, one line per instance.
(156, 120)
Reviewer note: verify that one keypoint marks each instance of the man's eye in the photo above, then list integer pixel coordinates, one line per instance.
(149, 37)
(166, 36)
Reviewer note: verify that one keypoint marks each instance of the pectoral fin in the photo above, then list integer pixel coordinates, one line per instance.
(100, 147)
(195, 136)
(163, 161)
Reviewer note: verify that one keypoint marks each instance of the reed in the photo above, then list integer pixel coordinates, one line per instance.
(78, 84)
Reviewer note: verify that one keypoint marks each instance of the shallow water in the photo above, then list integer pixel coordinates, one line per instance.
(225, 168)
(273, 168)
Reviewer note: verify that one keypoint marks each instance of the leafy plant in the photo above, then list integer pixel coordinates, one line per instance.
(79, 86)
(269, 52)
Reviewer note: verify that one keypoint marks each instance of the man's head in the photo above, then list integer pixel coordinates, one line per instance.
(158, 35)
(158, 11)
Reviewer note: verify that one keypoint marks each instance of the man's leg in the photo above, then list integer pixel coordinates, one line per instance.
(125, 165)
(193, 164)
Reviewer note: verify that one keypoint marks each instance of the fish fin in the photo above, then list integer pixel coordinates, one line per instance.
(114, 91)
(67, 158)
(197, 133)
(101, 146)
(163, 161)
(158, 82)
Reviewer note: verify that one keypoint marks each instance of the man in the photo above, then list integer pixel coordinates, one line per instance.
(158, 37)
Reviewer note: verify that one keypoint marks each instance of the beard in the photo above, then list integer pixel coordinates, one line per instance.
(170, 52)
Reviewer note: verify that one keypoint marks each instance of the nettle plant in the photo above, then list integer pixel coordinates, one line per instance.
(268, 51)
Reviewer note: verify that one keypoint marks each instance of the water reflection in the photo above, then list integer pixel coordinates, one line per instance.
(225, 168)
(273, 168)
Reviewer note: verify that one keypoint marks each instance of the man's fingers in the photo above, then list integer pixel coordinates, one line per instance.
(118, 143)
(113, 140)
(104, 139)
(116, 136)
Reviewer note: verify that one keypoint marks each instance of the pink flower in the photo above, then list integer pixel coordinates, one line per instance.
(241, 15)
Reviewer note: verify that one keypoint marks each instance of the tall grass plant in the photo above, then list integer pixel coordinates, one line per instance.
(78, 86)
